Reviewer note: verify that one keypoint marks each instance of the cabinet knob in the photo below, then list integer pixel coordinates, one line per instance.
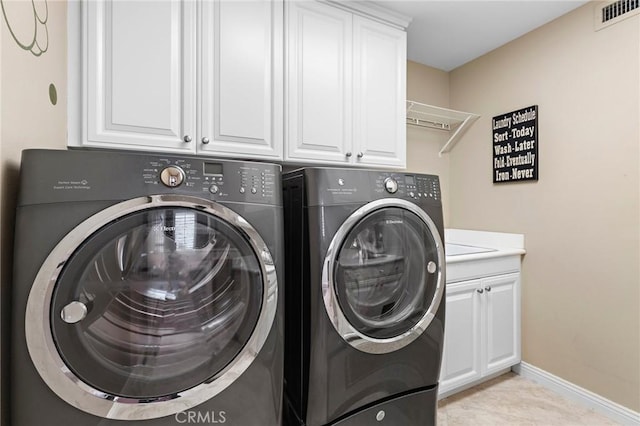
(348, 154)
(480, 290)
(205, 141)
(187, 138)
(360, 154)
(487, 288)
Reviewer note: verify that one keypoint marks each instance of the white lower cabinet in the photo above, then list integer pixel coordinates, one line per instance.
(462, 347)
(482, 330)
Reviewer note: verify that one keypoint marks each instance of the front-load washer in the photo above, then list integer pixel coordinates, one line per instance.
(146, 291)
(365, 282)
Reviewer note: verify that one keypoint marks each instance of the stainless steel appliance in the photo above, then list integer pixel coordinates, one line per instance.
(365, 274)
(146, 288)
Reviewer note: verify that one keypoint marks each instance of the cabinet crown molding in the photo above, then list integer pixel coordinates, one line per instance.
(372, 11)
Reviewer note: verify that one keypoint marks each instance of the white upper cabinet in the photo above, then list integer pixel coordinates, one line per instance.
(345, 88)
(182, 76)
(380, 69)
(211, 77)
(241, 79)
(139, 74)
(319, 76)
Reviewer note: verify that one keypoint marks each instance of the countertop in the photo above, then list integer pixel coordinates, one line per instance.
(463, 245)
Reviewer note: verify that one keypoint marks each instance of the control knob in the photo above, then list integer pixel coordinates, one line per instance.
(172, 176)
(391, 185)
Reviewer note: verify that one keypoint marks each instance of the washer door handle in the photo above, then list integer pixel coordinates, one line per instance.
(73, 312)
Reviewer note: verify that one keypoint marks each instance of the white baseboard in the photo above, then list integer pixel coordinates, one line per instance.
(443, 392)
(573, 392)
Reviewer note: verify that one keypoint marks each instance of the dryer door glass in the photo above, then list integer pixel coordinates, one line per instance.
(384, 274)
(156, 302)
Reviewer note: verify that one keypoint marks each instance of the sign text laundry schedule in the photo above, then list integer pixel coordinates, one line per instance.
(515, 145)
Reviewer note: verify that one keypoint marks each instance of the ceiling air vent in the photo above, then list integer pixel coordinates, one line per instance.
(609, 13)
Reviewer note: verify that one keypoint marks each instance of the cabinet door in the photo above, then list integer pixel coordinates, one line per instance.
(241, 76)
(139, 74)
(380, 58)
(502, 322)
(318, 114)
(461, 355)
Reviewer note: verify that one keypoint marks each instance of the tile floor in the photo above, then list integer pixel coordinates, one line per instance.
(513, 400)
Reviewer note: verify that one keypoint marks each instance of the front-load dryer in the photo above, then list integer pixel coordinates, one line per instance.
(146, 291)
(365, 282)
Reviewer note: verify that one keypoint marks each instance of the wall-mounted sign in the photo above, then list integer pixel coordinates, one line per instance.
(515, 146)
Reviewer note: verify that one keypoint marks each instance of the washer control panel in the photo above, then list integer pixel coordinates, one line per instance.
(413, 186)
(219, 180)
(334, 186)
(422, 186)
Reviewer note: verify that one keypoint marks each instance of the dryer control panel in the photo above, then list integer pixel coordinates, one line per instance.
(220, 180)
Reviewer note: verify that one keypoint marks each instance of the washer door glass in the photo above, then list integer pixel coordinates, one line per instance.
(384, 275)
(156, 302)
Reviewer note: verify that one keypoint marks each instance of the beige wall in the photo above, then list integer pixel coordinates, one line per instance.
(428, 86)
(28, 117)
(581, 220)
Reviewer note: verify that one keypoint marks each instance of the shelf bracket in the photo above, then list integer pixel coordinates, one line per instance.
(454, 137)
(434, 117)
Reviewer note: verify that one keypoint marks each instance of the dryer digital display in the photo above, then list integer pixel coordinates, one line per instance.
(214, 169)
